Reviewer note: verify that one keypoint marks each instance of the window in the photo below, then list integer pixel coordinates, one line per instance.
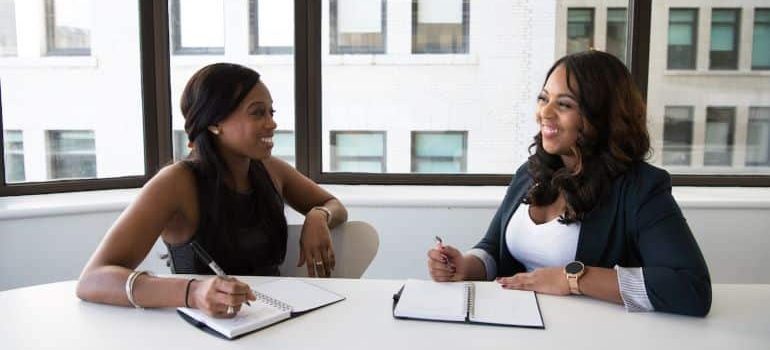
(720, 130)
(179, 138)
(71, 154)
(580, 29)
(197, 27)
(283, 146)
(725, 34)
(760, 53)
(440, 26)
(358, 151)
(439, 151)
(68, 27)
(14, 155)
(7, 28)
(677, 136)
(758, 138)
(357, 26)
(682, 36)
(272, 27)
(616, 32)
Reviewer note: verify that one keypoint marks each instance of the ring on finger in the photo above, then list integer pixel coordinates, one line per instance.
(319, 263)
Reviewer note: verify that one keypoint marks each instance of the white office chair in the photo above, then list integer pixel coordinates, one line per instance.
(355, 246)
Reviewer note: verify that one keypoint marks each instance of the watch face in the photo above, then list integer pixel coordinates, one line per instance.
(573, 267)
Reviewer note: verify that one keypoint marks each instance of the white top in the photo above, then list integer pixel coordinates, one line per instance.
(51, 317)
(540, 245)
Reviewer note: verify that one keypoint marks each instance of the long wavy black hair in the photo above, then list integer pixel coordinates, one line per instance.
(612, 137)
(209, 97)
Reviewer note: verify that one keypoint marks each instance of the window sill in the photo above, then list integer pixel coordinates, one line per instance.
(24, 207)
(50, 62)
(400, 59)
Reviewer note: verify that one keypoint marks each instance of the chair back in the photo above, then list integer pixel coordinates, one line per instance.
(355, 246)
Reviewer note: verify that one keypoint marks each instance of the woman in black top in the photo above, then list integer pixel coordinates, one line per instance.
(228, 197)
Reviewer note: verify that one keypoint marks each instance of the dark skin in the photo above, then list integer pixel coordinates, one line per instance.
(167, 206)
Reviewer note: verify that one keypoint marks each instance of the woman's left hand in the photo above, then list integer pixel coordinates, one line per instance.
(549, 280)
(315, 246)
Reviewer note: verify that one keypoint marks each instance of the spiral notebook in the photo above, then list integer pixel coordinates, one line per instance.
(277, 301)
(468, 302)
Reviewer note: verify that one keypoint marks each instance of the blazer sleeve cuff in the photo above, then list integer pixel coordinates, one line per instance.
(633, 290)
(490, 266)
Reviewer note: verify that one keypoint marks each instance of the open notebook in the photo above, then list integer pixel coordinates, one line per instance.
(276, 301)
(470, 302)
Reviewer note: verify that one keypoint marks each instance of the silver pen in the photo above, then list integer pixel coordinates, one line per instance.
(210, 262)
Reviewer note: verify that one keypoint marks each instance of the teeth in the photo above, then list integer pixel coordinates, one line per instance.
(549, 130)
(267, 139)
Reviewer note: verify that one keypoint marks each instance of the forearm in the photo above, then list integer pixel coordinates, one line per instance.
(107, 285)
(339, 212)
(601, 283)
(475, 270)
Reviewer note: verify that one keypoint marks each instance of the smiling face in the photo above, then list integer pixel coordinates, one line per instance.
(558, 115)
(248, 130)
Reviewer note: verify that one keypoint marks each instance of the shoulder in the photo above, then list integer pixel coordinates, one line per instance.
(176, 179)
(642, 182)
(279, 171)
(521, 176)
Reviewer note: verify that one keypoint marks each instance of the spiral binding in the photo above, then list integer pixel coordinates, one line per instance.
(270, 301)
(470, 296)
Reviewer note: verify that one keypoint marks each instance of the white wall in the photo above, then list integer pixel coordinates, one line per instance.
(730, 225)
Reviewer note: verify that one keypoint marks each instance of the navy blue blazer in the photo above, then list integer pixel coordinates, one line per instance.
(638, 224)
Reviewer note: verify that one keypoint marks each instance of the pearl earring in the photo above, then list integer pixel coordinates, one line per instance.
(214, 130)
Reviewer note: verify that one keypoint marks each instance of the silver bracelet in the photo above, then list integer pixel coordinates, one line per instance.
(327, 211)
(130, 286)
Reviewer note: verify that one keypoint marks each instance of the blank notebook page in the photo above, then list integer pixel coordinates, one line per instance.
(493, 304)
(300, 295)
(432, 300)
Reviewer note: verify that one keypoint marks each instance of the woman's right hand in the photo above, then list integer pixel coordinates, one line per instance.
(446, 263)
(213, 296)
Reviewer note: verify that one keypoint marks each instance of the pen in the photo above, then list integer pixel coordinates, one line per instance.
(210, 262)
(439, 245)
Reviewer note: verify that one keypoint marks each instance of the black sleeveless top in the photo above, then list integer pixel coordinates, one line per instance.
(250, 236)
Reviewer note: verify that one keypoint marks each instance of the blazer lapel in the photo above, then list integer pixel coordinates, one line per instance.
(506, 260)
(595, 231)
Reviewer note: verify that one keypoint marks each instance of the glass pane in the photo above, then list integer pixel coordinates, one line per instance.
(7, 28)
(616, 32)
(359, 145)
(760, 53)
(758, 139)
(197, 26)
(253, 32)
(78, 116)
(69, 26)
(487, 91)
(580, 29)
(701, 122)
(357, 26)
(14, 155)
(439, 145)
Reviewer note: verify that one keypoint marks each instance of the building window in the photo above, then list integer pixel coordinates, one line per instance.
(271, 24)
(760, 53)
(616, 32)
(71, 154)
(68, 27)
(677, 136)
(358, 151)
(180, 145)
(197, 27)
(14, 155)
(720, 130)
(580, 29)
(758, 138)
(7, 28)
(439, 152)
(725, 33)
(682, 36)
(357, 26)
(440, 26)
(283, 146)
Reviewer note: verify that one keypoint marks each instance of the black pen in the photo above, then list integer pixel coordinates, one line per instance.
(210, 262)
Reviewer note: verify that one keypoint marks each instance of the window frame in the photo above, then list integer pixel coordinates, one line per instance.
(463, 50)
(736, 29)
(334, 159)
(463, 158)
(176, 32)
(156, 107)
(753, 37)
(592, 25)
(336, 49)
(50, 36)
(692, 65)
(254, 47)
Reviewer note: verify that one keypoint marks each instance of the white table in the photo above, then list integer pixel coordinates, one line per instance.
(50, 316)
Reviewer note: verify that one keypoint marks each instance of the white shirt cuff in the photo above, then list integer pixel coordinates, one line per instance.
(490, 266)
(632, 289)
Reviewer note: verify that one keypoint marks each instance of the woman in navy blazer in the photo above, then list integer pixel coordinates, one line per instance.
(586, 189)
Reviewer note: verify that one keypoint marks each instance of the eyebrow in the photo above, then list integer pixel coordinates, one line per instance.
(562, 95)
(255, 103)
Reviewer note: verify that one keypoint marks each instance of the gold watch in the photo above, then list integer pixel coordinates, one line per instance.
(573, 271)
